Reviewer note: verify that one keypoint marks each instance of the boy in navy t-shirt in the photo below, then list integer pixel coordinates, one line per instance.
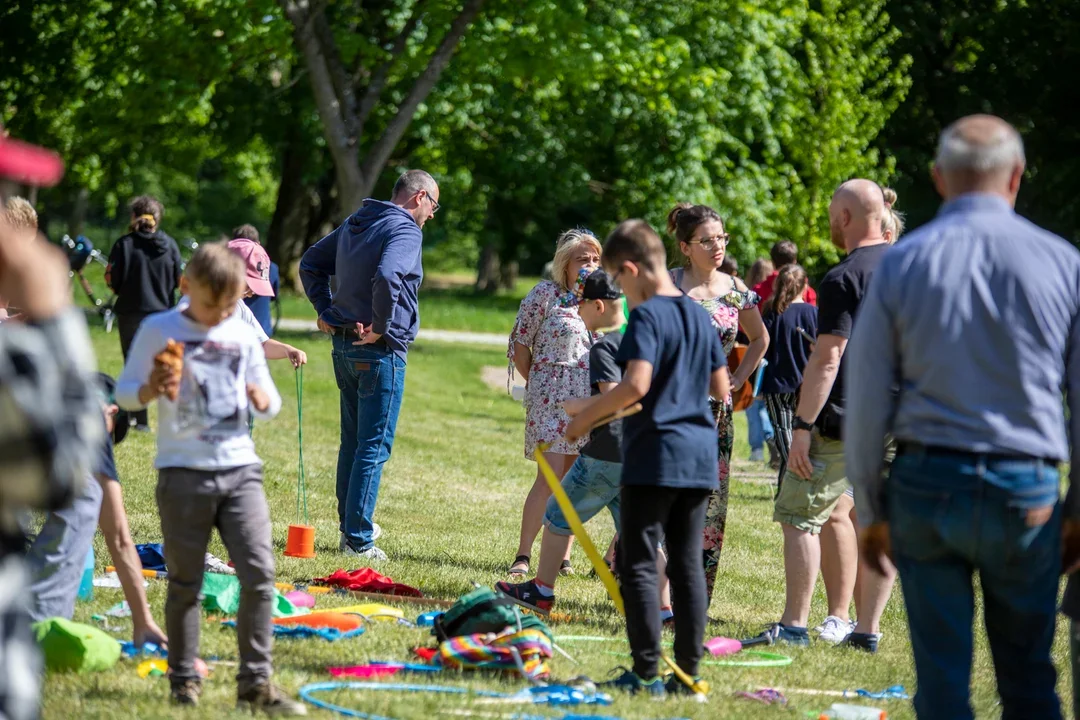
(673, 362)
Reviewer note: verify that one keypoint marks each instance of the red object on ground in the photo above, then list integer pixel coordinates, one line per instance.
(367, 580)
(365, 672)
(426, 653)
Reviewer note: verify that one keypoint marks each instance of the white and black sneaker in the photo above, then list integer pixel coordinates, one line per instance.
(372, 554)
(376, 533)
(833, 630)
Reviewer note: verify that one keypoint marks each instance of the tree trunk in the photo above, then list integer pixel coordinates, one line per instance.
(379, 153)
(487, 270)
(342, 116)
(77, 221)
(288, 236)
(508, 274)
(339, 141)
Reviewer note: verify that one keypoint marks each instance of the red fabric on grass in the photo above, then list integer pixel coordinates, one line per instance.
(369, 581)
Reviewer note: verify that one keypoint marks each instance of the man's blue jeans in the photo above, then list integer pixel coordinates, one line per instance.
(371, 380)
(757, 420)
(951, 515)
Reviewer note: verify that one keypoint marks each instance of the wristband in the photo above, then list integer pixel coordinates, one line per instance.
(798, 423)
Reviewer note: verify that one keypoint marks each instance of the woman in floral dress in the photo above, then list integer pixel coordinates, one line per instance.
(703, 242)
(549, 347)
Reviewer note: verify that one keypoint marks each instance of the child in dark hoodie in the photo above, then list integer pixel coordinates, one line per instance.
(144, 272)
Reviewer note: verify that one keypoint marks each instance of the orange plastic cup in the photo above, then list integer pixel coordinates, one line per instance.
(300, 542)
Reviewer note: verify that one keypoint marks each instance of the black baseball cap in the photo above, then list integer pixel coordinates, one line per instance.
(599, 286)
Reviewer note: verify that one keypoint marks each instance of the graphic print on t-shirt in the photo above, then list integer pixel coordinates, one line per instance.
(209, 402)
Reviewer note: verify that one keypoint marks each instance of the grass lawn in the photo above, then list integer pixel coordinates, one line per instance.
(450, 506)
(447, 302)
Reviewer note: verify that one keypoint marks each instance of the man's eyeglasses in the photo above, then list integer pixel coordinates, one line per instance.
(434, 203)
(717, 241)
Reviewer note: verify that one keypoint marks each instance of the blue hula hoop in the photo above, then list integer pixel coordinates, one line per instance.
(307, 690)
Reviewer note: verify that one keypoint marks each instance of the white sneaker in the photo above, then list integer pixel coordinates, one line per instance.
(214, 564)
(834, 630)
(372, 554)
(757, 455)
(376, 533)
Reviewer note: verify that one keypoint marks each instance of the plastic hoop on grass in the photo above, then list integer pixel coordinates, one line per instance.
(766, 660)
(519, 697)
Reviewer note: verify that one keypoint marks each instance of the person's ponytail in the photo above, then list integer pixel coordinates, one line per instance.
(145, 214)
(789, 284)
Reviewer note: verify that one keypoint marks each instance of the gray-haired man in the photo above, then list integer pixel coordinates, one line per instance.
(976, 317)
(373, 317)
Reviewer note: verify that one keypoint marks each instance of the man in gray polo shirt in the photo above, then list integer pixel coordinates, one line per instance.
(975, 317)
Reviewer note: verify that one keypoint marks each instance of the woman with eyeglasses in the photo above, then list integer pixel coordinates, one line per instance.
(549, 348)
(703, 242)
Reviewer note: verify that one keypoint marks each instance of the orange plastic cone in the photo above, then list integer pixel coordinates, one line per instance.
(301, 541)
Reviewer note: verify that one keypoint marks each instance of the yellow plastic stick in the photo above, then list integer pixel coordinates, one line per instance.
(574, 521)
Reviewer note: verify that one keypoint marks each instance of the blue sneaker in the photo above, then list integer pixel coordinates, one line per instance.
(866, 642)
(781, 634)
(631, 683)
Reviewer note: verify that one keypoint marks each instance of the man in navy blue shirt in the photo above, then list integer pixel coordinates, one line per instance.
(373, 318)
(673, 362)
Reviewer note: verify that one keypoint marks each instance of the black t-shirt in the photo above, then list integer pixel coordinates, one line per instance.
(605, 441)
(839, 296)
(672, 441)
(788, 351)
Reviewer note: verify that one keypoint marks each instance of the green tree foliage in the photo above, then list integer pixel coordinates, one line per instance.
(1013, 59)
(586, 113)
(146, 97)
(535, 116)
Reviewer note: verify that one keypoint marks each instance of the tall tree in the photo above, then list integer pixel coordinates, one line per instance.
(347, 90)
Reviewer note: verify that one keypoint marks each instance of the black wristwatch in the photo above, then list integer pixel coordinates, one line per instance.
(798, 423)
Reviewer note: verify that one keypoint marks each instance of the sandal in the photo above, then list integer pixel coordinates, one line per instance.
(565, 568)
(520, 566)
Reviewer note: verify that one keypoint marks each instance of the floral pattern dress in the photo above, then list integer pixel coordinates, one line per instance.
(560, 345)
(724, 312)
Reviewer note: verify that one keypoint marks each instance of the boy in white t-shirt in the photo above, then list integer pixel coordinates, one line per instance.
(256, 271)
(208, 473)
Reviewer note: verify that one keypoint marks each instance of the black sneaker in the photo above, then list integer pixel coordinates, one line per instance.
(631, 683)
(674, 686)
(774, 454)
(185, 692)
(270, 700)
(527, 595)
(866, 642)
(781, 634)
